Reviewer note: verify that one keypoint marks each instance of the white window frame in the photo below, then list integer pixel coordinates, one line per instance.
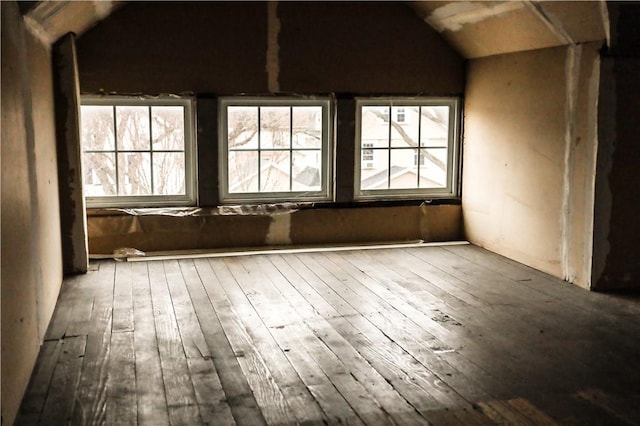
(189, 198)
(453, 149)
(326, 185)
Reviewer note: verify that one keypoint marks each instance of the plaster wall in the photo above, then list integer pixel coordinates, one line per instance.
(529, 157)
(31, 259)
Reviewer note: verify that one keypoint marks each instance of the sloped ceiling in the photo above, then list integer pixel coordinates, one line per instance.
(474, 28)
(484, 28)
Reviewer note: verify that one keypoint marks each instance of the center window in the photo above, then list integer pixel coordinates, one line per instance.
(275, 149)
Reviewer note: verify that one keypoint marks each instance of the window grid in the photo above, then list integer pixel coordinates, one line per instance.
(260, 150)
(291, 150)
(288, 191)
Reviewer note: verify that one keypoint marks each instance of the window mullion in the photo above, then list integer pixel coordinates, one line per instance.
(290, 148)
(419, 153)
(153, 188)
(259, 149)
(115, 149)
(389, 156)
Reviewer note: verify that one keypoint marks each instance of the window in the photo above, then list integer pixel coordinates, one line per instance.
(137, 152)
(275, 149)
(367, 155)
(416, 154)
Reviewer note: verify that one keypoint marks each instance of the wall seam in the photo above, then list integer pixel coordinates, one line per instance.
(273, 47)
(589, 225)
(572, 75)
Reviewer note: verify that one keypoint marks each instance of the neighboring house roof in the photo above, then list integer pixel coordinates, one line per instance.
(380, 178)
(309, 176)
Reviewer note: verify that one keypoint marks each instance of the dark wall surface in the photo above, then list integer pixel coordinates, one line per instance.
(363, 47)
(617, 228)
(617, 206)
(221, 48)
(176, 47)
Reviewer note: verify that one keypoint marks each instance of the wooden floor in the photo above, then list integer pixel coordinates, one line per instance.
(423, 335)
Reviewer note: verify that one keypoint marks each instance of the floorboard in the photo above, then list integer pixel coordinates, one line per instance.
(441, 335)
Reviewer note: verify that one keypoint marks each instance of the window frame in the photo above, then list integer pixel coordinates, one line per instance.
(326, 192)
(451, 189)
(189, 198)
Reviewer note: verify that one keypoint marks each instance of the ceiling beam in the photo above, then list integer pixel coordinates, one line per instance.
(554, 24)
(50, 20)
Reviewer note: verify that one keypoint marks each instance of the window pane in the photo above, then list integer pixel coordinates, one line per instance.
(377, 175)
(375, 125)
(275, 171)
(275, 127)
(243, 171)
(99, 174)
(435, 126)
(242, 127)
(168, 173)
(403, 134)
(307, 127)
(403, 170)
(133, 127)
(134, 174)
(97, 128)
(307, 170)
(167, 128)
(433, 173)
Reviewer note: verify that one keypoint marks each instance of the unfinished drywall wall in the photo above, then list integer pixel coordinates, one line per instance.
(31, 260)
(236, 47)
(530, 133)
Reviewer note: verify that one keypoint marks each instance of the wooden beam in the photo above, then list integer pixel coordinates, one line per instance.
(73, 222)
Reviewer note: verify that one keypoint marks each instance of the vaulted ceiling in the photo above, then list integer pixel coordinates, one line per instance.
(484, 28)
(474, 28)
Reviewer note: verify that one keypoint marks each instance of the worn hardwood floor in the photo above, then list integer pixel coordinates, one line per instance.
(450, 335)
